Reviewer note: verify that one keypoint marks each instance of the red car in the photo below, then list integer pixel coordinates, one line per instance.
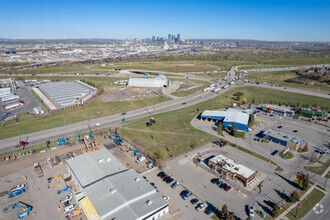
(165, 175)
(227, 188)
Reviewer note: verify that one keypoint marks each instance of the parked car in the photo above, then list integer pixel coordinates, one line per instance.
(209, 210)
(187, 195)
(295, 131)
(153, 184)
(21, 186)
(193, 201)
(160, 174)
(164, 176)
(201, 206)
(169, 180)
(166, 198)
(215, 180)
(219, 183)
(174, 185)
(227, 188)
(70, 208)
(251, 211)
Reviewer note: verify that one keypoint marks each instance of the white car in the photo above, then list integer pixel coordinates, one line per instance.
(201, 207)
(166, 198)
(251, 211)
(70, 208)
(67, 198)
(21, 186)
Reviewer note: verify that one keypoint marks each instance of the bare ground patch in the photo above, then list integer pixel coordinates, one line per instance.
(129, 94)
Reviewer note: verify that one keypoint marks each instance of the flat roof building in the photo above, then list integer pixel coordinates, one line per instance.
(108, 190)
(282, 138)
(228, 168)
(240, 117)
(276, 110)
(158, 81)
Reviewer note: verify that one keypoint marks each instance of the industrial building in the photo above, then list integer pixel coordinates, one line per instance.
(64, 95)
(240, 117)
(108, 190)
(234, 171)
(312, 112)
(158, 82)
(276, 110)
(282, 138)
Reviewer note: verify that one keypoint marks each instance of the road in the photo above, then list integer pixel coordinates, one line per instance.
(115, 120)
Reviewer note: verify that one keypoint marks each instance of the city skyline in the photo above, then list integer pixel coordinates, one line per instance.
(255, 20)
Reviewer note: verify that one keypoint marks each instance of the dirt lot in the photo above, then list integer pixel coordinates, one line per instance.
(129, 94)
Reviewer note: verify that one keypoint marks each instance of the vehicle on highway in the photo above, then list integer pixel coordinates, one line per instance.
(70, 208)
(184, 103)
(201, 206)
(21, 186)
(166, 198)
(251, 211)
(124, 113)
(174, 185)
(194, 201)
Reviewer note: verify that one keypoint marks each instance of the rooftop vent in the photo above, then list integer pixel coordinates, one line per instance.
(108, 159)
(101, 160)
(149, 202)
(137, 179)
(112, 190)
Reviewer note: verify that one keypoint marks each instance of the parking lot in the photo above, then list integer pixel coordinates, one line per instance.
(26, 96)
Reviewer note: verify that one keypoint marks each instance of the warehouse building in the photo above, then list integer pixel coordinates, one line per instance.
(64, 95)
(108, 190)
(158, 82)
(240, 117)
(283, 139)
(231, 170)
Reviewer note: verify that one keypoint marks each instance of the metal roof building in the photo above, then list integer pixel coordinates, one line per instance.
(282, 138)
(112, 191)
(240, 117)
(158, 81)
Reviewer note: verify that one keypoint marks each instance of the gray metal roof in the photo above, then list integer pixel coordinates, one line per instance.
(283, 136)
(231, 115)
(65, 93)
(158, 81)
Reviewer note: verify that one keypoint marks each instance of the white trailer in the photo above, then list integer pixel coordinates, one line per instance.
(217, 90)
(36, 111)
(9, 98)
(3, 94)
(13, 105)
(41, 110)
(225, 87)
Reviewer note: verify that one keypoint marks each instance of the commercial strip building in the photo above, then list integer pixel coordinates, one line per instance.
(240, 117)
(158, 82)
(283, 139)
(228, 168)
(108, 190)
(276, 110)
(313, 112)
(63, 95)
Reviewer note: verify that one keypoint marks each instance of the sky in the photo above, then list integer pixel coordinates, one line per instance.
(279, 20)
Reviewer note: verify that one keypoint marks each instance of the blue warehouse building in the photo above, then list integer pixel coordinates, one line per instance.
(283, 139)
(240, 117)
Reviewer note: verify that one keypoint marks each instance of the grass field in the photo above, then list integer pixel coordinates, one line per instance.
(319, 169)
(289, 156)
(94, 109)
(297, 61)
(306, 205)
(279, 77)
(261, 67)
(173, 133)
(174, 67)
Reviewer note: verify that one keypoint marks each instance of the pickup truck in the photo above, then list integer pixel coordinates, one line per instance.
(201, 207)
(38, 170)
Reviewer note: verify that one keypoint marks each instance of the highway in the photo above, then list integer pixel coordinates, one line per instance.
(10, 144)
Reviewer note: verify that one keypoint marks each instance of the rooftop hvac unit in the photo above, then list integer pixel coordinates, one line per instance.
(113, 190)
(137, 179)
(108, 159)
(149, 202)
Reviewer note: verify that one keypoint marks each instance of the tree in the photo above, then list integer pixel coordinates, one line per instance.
(224, 212)
(294, 197)
(305, 183)
(231, 216)
(251, 120)
(233, 130)
(238, 95)
(253, 101)
(249, 218)
(220, 128)
(275, 211)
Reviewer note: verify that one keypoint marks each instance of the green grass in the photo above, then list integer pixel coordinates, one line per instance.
(298, 61)
(306, 205)
(327, 175)
(289, 155)
(173, 133)
(279, 77)
(215, 217)
(261, 67)
(94, 109)
(319, 169)
(174, 67)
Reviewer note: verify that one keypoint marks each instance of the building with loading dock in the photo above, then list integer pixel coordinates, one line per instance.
(231, 170)
(108, 190)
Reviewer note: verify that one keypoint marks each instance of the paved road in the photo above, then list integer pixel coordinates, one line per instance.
(114, 120)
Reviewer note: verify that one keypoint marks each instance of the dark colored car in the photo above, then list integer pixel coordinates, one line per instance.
(295, 131)
(274, 152)
(193, 201)
(169, 180)
(227, 188)
(160, 174)
(153, 184)
(279, 126)
(219, 183)
(124, 113)
(209, 210)
(184, 103)
(215, 180)
(270, 203)
(223, 186)
(166, 178)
